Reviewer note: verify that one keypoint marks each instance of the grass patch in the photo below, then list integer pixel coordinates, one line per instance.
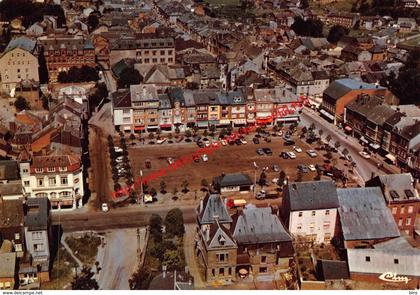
(85, 247)
(61, 272)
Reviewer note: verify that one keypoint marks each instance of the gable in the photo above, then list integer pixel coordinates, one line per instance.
(221, 239)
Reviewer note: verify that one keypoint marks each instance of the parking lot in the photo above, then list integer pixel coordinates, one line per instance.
(225, 159)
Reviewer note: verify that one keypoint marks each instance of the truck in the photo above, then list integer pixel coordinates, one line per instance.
(234, 203)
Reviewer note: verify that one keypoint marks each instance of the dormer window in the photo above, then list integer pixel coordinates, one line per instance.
(63, 168)
(51, 169)
(39, 170)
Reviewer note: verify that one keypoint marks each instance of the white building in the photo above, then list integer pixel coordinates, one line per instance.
(310, 210)
(57, 177)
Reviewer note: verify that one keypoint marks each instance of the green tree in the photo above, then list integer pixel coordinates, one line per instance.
(184, 186)
(345, 152)
(162, 187)
(282, 178)
(337, 144)
(188, 133)
(92, 21)
(223, 133)
(21, 104)
(299, 176)
(140, 280)
(151, 135)
(170, 136)
(43, 70)
(212, 129)
(155, 225)
(336, 33)
(263, 179)
(85, 280)
(320, 132)
(172, 260)
(205, 132)
(328, 138)
(174, 222)
(129, 76)
(310, 27)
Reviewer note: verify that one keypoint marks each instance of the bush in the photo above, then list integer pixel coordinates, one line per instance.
(21, 104)
(174, 222)
(76, 75)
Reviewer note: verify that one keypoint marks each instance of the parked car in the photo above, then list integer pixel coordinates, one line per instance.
(223, 142)
(275, 168)
(207, 143)
(260, 195)
(312, 167)
(297, 149)
(119, 160)
(284, 155)
(303, 168)
(204, 157)
(311, 153)
(148, 164)
(170, 160)
(161, 140)
(260, 152)
(267, 151)
(275, 180)
(291, 155)
(200, 144)
(238, 141)
(255, 140)
(147, 198)
(243, 141)
(289, 142)
(215, 143)
(364, 155)
(196, 158)
(104, 207)
(118, 149)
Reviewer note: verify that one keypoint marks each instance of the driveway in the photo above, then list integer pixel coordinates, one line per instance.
(118, 259)
(190, 257)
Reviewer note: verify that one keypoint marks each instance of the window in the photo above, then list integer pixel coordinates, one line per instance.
(222, 271)
(263, 269)
(52, 181)
(408, 221)
(400, 222)
(313, 213)
(63, 168)
(39, 247)
(367, 258)
(154, 60)
(326, 225)
(410, 209)
(327, 237)
(64, 180)
(213, 273)
(18, 247)
(17, 236)
(154, 52)
(327, 212)
(51, 169)
(126, 111)
(146, 60)
(396, 261)
(40, 182)
(299, 226)
(39, 170)
(230, 271)
(300, 214)
(402, 210)
(169, 51)
(26, 183)
(263, 259)
(162, 52)
(170, 59)
(162, 60)
(394, 210)
(312, 225)
(221, 257)
(37, 235)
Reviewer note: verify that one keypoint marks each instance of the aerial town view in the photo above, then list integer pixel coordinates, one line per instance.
(209, 145)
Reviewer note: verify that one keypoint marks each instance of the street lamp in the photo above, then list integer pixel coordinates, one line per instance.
(141, 187)
(255, 178)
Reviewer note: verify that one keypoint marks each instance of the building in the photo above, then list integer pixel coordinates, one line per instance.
(310, 210)
(341, 92)
(345, 19)
(395, 256)
(365, 219)
(233, 182)
(58, 177)
(63, 52)
(18, 62)
(11, 225)
(8, 266)
(264, 245)
(401, 197)
(215, 245)
(37, 235)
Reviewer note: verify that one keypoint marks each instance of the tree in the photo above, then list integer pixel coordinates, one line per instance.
(328, 138)
(140, 280)
(304, 130)
(184, 186)
(304, 4)
(155, 225)
(320, 132)
(151, 135)
(43, 70)
(337, 144)
(174, 222)
(312, 127)
(282, 177)
(177, 131)
(299, 176)
(336, 33)
(310, 27)
(172, 260)
(153, 191)
(129, 76)
(76, 75)
(263, 179)
(212, 129)
(84, 280)
(328, 155)
(188, 133)
(170, 136)
(21, 104)
(205, 132)
(318, 174)
(175, 190)
(162, 187)
(132, 137)
(204, 184)
(158, 132)
(345, 152)
(92, 21)
(229, 129)
(46, 101)
(223, 133)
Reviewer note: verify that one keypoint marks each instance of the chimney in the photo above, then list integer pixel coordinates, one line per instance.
(164, 271)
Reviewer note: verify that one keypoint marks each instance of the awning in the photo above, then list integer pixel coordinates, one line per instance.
(139, 128)
(224, 122)
(391, 157)
(166, 125)
(348, 128)
(127, 128)
(286, 119)
(153, 127)
(239, 121)
(326, 114)
(364, 140)
(214, 122)
(202, 123)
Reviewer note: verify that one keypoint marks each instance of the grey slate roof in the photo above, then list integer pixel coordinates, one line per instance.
(9, 170)
(332, 270)
(7, 265)
(23, 43)
(338, 88)
(258, 225)
(36, 217)
(364, 215)
(312, 195)
(213, 207)
(395, 187)
(233, 179)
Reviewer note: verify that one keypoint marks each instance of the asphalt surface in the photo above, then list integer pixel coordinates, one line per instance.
(125, 217)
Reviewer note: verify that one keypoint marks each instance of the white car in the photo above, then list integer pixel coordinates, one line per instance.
(275, 180)
(104, 207)
(207, 143)
(364, 155)
(292, 155)
(243, 141)
(311, 153)
(161, 140)
(204, 157)
(312, 167)
(170, 161)
(119, 160)
(118, 149)
(297, 149)
(223, 142)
